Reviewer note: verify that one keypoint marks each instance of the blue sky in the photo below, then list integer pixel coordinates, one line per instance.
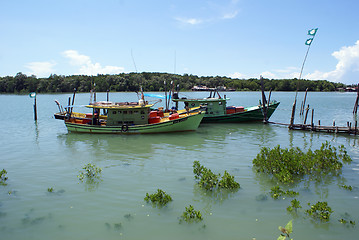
(234, 38)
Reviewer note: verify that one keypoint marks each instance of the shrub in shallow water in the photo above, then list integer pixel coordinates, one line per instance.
(294, 205)
(159, 199)
(91, 172)
(286, 165)
(3, 177)
(320, 211)
(210, 181)
(191, 215)
(276, 192)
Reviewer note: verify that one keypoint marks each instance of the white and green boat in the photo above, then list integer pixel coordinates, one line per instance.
(217, 110)
(130, 118)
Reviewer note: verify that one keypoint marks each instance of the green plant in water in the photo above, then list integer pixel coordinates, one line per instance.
(50, 190)
(286, 165)
(159, 199)
(346, 220)
(350, 188)
(288, 229)
(210, 181)
(3, 177)
(228, 182)
(294, 205)
(191, 215)
(91, 173)
(276, 192)
(320, 211)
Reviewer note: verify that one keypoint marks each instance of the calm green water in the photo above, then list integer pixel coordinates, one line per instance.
(41, 155)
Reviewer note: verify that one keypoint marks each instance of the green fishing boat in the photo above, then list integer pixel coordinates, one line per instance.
(129, 118)
(217, 110)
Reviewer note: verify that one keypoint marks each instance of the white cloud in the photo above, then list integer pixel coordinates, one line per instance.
(86, 65)
(40, 69)
(347, 68)
(237, 75)
(211, 12)
(191, 21)
(268, 74)
(230, 15)
(76, 59)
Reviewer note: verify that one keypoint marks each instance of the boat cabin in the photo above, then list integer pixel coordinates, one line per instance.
(119, 114)
(215, 106)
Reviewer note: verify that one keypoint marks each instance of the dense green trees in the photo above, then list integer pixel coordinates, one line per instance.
(150, 82)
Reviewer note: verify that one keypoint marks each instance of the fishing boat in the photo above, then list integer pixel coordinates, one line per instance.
(217, 110)
(129, 118)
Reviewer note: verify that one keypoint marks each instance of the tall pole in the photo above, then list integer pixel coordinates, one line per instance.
(33, 95)
(306, 55)
(35, 109)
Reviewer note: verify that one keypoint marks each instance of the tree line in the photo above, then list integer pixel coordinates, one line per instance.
(151, 82)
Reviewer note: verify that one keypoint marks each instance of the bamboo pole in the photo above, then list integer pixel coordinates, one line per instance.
(306, 114)
(35, 109)
(305, 99)
(312, 118)
(355, 110)
(293, 115)
(270, 93)
(264, 102)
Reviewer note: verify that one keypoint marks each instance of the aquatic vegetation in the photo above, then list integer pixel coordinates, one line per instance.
(294, 206)
(288, 229)
(159, 199)
(210, 181)
(3, 177)
(343, 221)
(350, 188)
(320, 211)
(91, 173)
(346, 220)
(228, 182)
(50, 190)
(288, 165)
(276, 192)
(191, 215)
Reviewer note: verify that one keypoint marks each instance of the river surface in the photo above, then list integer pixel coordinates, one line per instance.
(41, 155)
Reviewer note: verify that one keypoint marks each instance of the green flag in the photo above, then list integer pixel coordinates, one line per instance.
(309, 41)
(312, 32)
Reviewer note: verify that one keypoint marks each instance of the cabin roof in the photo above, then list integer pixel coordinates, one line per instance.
(200, 99)
(118, 105)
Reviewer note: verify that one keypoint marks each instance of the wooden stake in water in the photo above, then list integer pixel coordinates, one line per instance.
(33, 95)
(356, 102)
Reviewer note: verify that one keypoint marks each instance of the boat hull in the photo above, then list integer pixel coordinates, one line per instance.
(251, 114)
(188, 123)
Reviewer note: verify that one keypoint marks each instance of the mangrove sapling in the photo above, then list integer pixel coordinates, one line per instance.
(91, 173)
(320, 211)
(210, 181)
(294, 206)
(346, 220)
(191, 215)
(350, 188)
(276, 192)
(158, 199)
(3, 177)
(288, 165)
(228, 182)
